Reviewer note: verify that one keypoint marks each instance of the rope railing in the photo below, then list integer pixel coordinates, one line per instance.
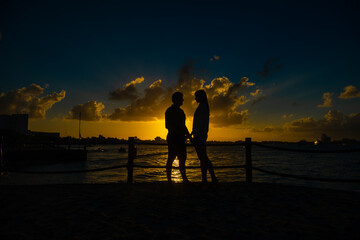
(66, 172)
(132, 155)
(84, 170)
(248, 163)
(189, 167)
(117, 167)
(306, 151)
(151, 154)
(189, 144)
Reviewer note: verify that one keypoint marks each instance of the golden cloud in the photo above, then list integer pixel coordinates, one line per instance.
(128, 92)
(29, 100)
(327, 97)
(136, 81)
(350, 92)
(334, 123)
(225, 99)
(90, 111)
(215, 58)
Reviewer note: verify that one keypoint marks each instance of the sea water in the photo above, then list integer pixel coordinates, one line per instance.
(318, 165)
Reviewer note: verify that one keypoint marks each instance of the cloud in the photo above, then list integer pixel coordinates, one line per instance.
(267, 129)
(215, 58)
(128, 92)
(223, 95)
(334, 123)
(29, 100)
(350, 92)
(187, 82)
(146, 108)
(228, 119)
(226, 99)
(136, 81)
(90, 111)
(258, 96)
(287, 116)
(327, 97)
(271, 66)
(258, 92)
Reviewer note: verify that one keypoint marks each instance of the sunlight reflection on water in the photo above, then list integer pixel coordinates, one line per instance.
(344, 165)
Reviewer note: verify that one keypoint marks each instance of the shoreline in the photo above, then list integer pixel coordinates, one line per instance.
(162, 211)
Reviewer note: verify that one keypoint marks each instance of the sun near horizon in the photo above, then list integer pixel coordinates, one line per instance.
(273, 76)
(150, 130)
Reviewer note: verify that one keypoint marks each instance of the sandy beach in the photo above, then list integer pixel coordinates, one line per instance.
(177, 211)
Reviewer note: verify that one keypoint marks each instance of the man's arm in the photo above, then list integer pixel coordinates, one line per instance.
(187, 133)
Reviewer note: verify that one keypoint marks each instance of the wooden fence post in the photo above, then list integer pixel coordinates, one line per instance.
(131, 156)
(248, 162)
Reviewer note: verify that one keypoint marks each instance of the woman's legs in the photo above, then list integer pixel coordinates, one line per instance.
(211, 170)
(202, 157)
(205, 163)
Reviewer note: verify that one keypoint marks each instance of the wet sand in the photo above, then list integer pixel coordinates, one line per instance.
(177, 211)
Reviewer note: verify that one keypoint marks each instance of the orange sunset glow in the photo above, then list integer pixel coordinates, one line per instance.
(179, 119)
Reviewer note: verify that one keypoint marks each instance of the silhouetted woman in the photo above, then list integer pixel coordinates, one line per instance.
(200, 133)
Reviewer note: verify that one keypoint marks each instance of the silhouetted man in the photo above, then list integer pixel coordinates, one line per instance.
(175, 123)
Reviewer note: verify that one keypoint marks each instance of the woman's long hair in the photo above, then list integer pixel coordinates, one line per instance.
(202, 97)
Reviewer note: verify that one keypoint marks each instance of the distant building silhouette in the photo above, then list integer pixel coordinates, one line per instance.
(17, 123)
(53, 135)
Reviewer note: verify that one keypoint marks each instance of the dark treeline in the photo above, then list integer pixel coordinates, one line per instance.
(90, 140)
(12, 139)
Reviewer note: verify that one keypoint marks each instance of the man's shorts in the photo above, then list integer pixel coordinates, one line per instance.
(176, 146)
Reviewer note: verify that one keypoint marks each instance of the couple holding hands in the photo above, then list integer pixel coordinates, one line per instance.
(178, 133)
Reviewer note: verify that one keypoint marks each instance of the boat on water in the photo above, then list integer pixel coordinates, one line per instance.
(100, 149)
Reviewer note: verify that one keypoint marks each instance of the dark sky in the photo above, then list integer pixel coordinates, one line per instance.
(294, 51)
